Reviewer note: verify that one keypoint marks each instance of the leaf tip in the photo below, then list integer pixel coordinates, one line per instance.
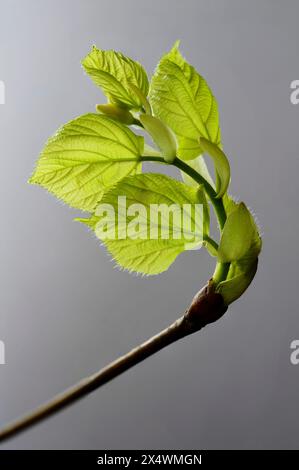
(176, 44)
(32, 179)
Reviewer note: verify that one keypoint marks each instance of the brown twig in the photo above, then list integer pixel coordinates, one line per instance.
(206, 307)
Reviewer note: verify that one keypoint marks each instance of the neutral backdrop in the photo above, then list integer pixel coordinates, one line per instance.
(65, 311)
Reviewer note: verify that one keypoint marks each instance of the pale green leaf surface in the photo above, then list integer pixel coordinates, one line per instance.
(256, 245)
(237, 235)
(242, 271)
(116, 113)
(151, 151)
(86, 156)
(221, 163)
(199, 165)
(232, 288)
(90, 222)
(115, 73)
(182, 99)
(229, 203)
(146, 255)
(161, 135)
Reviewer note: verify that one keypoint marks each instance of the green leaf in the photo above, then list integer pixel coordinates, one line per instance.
(237, 235)
(116, 113)
(256, 245)
(237, 283)
(211, 248)
(134, 242)
(91, 222)
(199, 165)
(117, 74)
(229, 203)
(150, 151)
(242, 271)
(86, 156)
(182, 99)
(222, 168)
(161, 135)
(142, 98)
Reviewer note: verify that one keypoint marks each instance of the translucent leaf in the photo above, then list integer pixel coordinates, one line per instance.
(161, 135)
(256, 245)
(147, 241)
(200, 166)
(229, 203)
(86, 156)
(117, 74)
(237, 235)
(222, 168)
(182, 99)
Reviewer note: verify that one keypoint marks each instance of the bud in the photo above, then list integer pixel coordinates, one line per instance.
(161, 135)
(237, 234)
(242, 270)
(221, 164)
(233, 288)
(116, 113)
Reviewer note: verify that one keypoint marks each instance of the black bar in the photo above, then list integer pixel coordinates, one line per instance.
(132, 459)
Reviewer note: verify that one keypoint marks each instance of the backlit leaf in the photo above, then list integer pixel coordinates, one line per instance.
(115, 73)
(134, 238)
(182, 99)
(86, 156)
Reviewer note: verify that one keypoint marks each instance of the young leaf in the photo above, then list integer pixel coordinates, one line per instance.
(242, 271)
(221, 164)
(86, 156)
(114, 73)
(116, 113)
(232, 288)
(182, 99)
(151, 151)
(142, 98)
(229, 203)
(157, 237)
(256, 244)
(161, 135)
(237, 235)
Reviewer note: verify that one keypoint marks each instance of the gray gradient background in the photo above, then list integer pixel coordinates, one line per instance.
(65, 312)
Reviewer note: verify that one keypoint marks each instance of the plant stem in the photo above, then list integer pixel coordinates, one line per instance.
(221, 270)
(206, 307)
(211, 242)
(217, 202)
